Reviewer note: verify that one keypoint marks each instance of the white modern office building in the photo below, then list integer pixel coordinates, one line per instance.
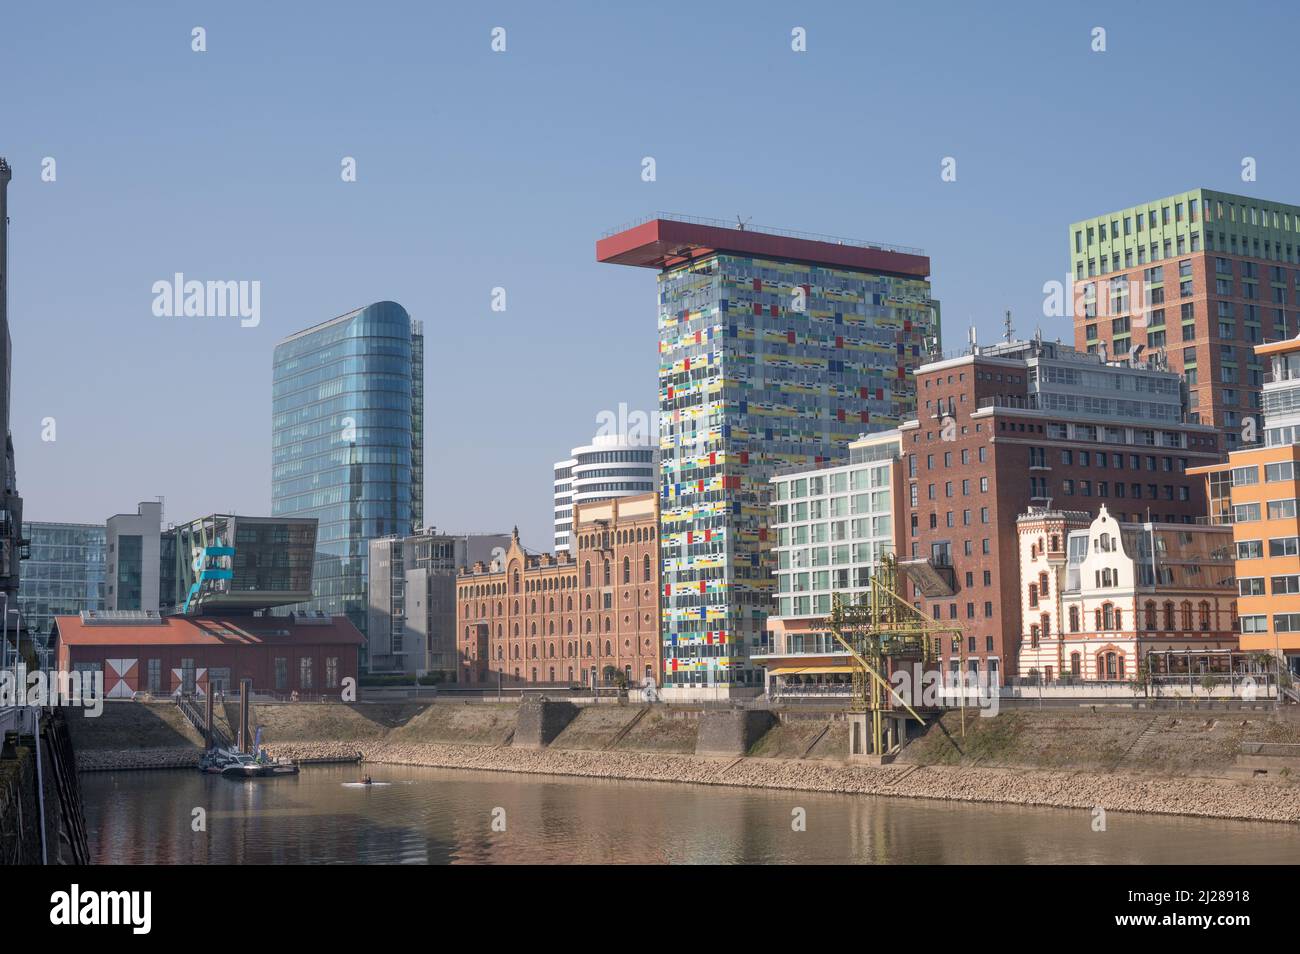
(830, 527)
(610, 466)
(133, 549)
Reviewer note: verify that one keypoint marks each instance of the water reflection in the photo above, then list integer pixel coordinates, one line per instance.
(435, 816)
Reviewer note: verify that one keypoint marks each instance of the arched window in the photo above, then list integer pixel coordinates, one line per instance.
(627, 569)
(1107, 616)
(1186, 608)
(1033, 594)
(1033, 636)
(607, 576)
(609, 651)
(1204, 614)
(586, 573)
(1074, 619)
(1046, 621)
(1149, 613)
(1076, 665)
(1042, 585)
(588, 652)
(645, 568)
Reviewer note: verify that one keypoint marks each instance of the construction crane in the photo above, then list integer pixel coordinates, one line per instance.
(880, 631)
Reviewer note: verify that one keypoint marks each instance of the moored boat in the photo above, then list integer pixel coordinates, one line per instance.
(246, 766)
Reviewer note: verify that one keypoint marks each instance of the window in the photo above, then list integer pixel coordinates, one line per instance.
(1283, 546)
(1281, 509)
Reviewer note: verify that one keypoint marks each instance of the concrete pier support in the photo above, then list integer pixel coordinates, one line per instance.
(732, 732)
(862, 742)
(540, 720)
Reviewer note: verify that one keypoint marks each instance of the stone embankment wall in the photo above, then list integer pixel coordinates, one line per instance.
(1168, 762)
(1214, 798)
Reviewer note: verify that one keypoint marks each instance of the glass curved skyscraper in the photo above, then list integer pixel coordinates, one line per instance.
(348, 442)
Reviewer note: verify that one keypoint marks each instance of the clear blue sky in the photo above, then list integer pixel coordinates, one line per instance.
(478, 169)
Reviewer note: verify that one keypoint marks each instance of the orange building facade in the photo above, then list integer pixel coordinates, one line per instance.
(1256, 492)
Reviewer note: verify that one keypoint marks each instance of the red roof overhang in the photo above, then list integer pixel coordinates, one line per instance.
(666, 243)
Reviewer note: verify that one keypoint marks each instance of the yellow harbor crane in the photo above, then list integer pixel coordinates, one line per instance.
(880, 631)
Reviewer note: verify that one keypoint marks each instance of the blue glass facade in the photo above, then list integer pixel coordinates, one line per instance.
(65, 573)
(347, 441)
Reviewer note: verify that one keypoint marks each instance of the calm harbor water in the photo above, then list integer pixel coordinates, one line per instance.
(438, 816)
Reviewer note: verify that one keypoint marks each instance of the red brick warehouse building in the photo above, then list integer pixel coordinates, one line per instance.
(563, 619)
(1033, 423)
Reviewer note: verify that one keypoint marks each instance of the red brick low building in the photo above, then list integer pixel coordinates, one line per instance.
(170, 655)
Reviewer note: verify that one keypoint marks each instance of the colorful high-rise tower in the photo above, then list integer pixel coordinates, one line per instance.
(776, 349)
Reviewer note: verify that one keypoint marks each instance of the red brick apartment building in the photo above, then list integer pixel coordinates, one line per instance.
(1033, 423)
(1201, 277)
(572, 617)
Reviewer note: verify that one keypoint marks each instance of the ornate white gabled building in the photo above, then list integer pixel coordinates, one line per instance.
(1098, 597)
